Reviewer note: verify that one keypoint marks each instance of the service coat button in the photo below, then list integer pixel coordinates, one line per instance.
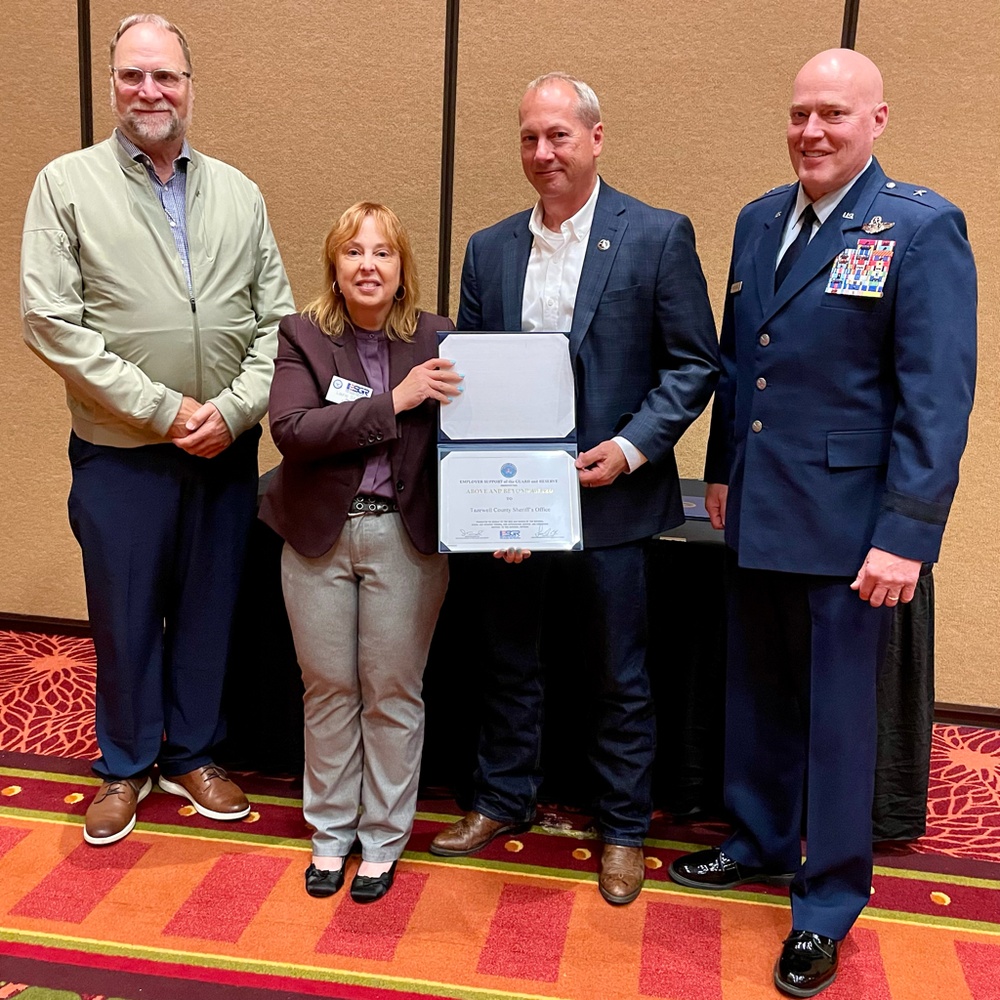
(762, 383)
(764, 340)
(756, 427)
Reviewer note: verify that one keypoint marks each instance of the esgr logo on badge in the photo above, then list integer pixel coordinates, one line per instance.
(508, 470)
(508, 533)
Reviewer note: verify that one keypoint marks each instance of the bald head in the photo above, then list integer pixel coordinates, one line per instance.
(837, 114)
(840, 66)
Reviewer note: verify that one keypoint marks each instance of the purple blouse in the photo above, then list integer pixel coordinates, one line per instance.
(373, 349)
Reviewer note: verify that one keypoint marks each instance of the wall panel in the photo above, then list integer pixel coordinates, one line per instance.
(693, 97)
(320, 105)
(941, 65)
(39, 560)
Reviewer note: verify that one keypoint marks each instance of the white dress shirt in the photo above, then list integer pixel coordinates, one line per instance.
(823, 207)
(553, 279)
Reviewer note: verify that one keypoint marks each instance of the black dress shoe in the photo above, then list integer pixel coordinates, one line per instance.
(712, 869)
(368, 888)
(808, 964)
(322, 883)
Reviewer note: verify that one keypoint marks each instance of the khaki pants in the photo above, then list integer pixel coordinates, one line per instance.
(362, 618)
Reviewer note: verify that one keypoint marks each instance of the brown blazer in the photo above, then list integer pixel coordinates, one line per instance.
(324, 445)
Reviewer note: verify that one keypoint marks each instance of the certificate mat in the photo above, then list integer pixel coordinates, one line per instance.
(495, 498)
(516, 387)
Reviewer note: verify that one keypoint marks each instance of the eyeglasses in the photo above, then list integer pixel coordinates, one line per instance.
(165, 79)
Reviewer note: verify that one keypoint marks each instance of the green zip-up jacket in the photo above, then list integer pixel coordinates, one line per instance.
(106, 302)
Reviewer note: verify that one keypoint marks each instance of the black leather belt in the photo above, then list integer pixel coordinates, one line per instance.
(371, 505)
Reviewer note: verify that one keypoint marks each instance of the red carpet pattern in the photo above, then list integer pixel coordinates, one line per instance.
(47, 707)
(963, 804)
(47, 694)
(185, 906)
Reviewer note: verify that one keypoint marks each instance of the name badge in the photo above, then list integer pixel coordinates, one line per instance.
(861, 270)
(343, 390)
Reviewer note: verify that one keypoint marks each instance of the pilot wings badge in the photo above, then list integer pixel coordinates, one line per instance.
(876, 225)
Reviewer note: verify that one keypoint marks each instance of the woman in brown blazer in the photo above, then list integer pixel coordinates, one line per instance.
(353, 411)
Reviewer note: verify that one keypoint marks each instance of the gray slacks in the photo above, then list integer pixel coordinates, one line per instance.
(362, 618)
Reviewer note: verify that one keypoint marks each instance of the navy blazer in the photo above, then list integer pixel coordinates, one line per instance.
(325, 445)
(839, 421)
(643, 346)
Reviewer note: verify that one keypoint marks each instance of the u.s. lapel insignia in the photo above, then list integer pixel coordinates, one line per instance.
(848, 215)
(876, 225)
(604, 244)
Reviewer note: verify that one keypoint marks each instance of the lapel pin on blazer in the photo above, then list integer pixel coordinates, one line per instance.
(876, 225)
(604, 244)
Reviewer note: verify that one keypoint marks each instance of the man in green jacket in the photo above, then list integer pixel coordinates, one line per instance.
(151, 282)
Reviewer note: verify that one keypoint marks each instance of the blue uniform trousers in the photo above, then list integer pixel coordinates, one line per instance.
(803, 659)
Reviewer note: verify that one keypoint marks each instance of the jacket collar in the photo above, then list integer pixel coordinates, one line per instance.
(609, 225)
(830, 239)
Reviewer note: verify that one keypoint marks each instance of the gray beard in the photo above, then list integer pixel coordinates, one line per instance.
(142, 128)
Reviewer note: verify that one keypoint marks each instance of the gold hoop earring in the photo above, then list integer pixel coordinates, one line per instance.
(336, 288)
(397, 296)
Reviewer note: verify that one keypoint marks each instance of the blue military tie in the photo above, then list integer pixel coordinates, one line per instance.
(799, 244)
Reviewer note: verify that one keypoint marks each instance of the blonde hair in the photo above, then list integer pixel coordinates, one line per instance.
(329, 311)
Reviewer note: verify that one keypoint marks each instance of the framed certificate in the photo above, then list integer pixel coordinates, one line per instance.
(492, 498)
(507, 445)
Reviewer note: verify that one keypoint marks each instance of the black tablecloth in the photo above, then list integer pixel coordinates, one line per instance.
(686, 663)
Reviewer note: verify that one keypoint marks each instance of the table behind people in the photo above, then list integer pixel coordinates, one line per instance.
(354, 414)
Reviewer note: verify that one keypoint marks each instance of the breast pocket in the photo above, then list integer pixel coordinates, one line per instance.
(620, 294)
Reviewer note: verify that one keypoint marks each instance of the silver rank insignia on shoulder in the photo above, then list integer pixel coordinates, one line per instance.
(604, 244)
(876, 225)
(777, 215)
(920, 191)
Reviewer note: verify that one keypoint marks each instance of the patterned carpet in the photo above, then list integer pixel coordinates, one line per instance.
(186, 908)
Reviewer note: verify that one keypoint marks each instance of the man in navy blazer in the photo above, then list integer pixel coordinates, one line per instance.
(848, 347)
(624, 280)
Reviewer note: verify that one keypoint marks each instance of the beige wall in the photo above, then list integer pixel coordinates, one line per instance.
(942, 73)
(323, 105)
(39, 565)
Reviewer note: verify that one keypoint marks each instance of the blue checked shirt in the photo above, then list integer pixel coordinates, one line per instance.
(172, 196)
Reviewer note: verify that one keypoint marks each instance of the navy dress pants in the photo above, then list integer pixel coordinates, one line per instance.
(803, 660)
(613, 621)
(163, 535)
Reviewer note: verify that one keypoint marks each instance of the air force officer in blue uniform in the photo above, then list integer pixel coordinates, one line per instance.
(624, 281)
(848, 348)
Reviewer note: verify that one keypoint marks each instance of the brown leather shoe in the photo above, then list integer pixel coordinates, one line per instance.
(472, 833)
(622, 872)
(111, 815)
(210, 791)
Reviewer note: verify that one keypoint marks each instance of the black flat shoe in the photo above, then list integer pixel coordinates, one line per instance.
(368, 888)
(807, 965)
(712, 869)
(321, 883)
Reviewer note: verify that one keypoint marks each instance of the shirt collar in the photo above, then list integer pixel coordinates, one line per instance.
(823, 207)
(137, 154)
(576, 228)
